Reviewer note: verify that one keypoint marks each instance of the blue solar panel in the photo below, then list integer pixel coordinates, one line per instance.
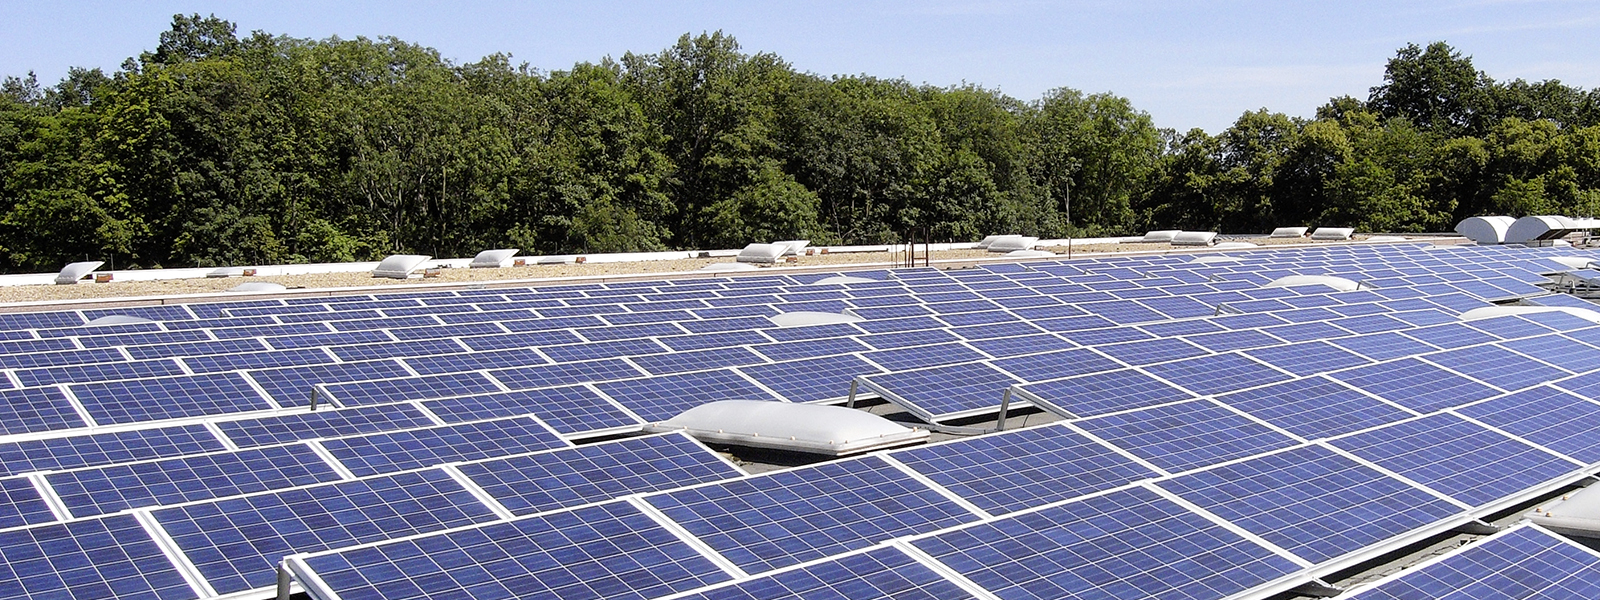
(1018, 345)
(21, 504)
(472, 361)
(1520, 564)
(1496, 366)
(559, 479)
(1314, 407)
(1109, 335)
(264, 431)
(811, 380)
(1307, 358)
(1302, 332)
(1217, 374)
(1312, 502)
(884, 341)
(1557, 350)
(1464, 461)
(1186, 436)
(1024, 468)
(877, 574)
(444, 331)
(701, 341)
(1056, 365)
(536, 338)
(37, 409)
(1188, 327)
(139, 400)
(65, 357)
(109, 489)
(1451, 335)
(236, 543)
(916, 357)
(1127, 544)
(1559, 421)
(682, 362)
(1383, 346)
(415, 448)
(1102, 393)
(565, 374)
(385, 391)
(257, 360)
(595, 350)
(1509, 327)
(293, 385)
(789, 517)
(607, 550)
(394, 349)
(1416, 385)
(1123, 311)
(663, 397)
(943, 392)
(33, 346)
(810, 348)
(622, 332)
(574, 409)
(113, 557)
(39, 320)
(1152, 351)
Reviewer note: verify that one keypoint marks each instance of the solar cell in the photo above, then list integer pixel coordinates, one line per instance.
(472, 361)
(1416, 385)
(557, 479)
(595, 350)
(1127, 544)
(1302, 332)
(663, 397)
(36, 409)
(236, 543)
(568, 410)
(1186, 436)
(540, 338)
(137, 400)
(113, 488)
(1023, 468)
(623, 332)
(293, 385)
(394, 349)
(1451, 335)
(1496, 366)
(1151, 351)
(1314, 407)
(810, 348)
(280, 429)
(313, 340)
(877, 574)
(1101, 393)
(915, 357)
(789, 517)
(1524, 562)
(386, 391)
(565, 374)
(1383, 346)
(112, 557)
(681, 362)
(1216, 374)
(389, 452)
(811, 380)
(1556, 420)
(1312, 502)
(606, 550)
(21, 504)
(257, 360)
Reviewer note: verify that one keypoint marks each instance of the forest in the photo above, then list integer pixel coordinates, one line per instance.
(221, 149)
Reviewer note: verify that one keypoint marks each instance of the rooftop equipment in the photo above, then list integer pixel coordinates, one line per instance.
(1488, 312)
(71, 273)
(1194, 238)
(794, 247)
(1010, 243)
(1544, 230)
(1332, 234)
(493, 259)
(399, 266)
(802, 318)
(1575, 514)
(811, 428)
(764, 254)
(842, 279)
(1163, 235)
(117, 320)
(984, 243)
(1337, 283)
(1289, 232)
(1485, 231)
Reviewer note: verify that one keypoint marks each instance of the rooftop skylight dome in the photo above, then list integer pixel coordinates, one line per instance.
(806, 317)
(813, 428)
(399, 266)
(1488, 312)
(1338, 283)
(71, 273)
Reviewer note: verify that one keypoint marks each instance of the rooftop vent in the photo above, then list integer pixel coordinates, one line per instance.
(842, 279)
(1289, 232)
(117, 320)
(71, 273)
(1194, 238)
(1486, 231)
(762, 253)
(811, 428)
(793, 247)
(399, 266)
(1488, 312)
(493, 259)
(1009, 243)
(1163, 235)
(1577, 514)
(1576, 262)
(984, 243)
(258, 286)
(801, 318)
(1329, 234)
(1545, 228)
(1337, 283)
(221, 272)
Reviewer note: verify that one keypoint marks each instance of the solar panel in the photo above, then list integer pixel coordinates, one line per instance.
(37, 409)
(1312, 502)
(1509, 327)
(568, 410)
(681, 362)
(1558, 350)
(944, 392)
(789, 517)
(113, 488)
(811, 380)
(257, 360)
(596, 350)
(1109, 335)
(1383, 346)
(1187, 327)
(1307, 358)
(1055, 365)
(1186, 436)
(1217, 374)
(1023, 468)
(1152, 351)
(1556, 420)
(1416, 385)
(290, 342)
(606, 550)
(1101, 393)
(1314, 407)
(394, 349)
(565, 374)
(877, 574)
(389, 452)
(473, 361)
(592, 473)
(21, 504)
(1496, 366)
(138, 400)
(884, 341)
(196, 348)
(622, 332)
(236, 543)
(1451, 335)
(293, 385)
(1524, 562)
(386, 391)
(1018, 345)
(65, 357)
(1127, 544)
(1304, 332)
(541, 338)
(280, 429)
(663, 397)
(112, 557)
(915, 357)
(1464, 461)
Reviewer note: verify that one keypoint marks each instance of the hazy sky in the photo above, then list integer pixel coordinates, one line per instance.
(1189, 64)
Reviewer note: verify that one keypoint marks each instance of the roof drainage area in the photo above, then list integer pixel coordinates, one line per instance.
(1256, 427)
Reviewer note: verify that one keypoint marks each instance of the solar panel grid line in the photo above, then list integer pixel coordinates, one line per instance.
(1224, 523)
(923, 558)
(1386, 471)
(1537, 576)
(1160, 471)
(77, 405)
(1502, 431)
(58, 509)
(222, 436)
(1424, 358)
(1366, 393)
(169, 548)
(477, 491)
(614, 403)
(944, 491)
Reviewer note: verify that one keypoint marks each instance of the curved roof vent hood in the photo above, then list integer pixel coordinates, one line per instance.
(117, 320)
(71, 273)
(493, 259)
(1489, 312)
(1338, 283)
(801, 318)
(399, 266)
(812, 428)
(842, 279)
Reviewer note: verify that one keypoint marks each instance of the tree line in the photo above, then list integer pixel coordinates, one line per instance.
(216, 149)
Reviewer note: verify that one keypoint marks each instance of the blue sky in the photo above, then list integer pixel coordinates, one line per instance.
(1188, 64)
